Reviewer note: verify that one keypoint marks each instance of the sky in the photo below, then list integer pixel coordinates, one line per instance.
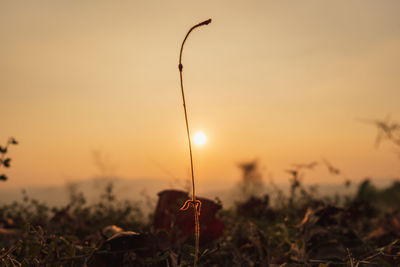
(282, 82)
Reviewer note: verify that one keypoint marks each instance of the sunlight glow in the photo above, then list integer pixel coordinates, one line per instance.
(199, 138)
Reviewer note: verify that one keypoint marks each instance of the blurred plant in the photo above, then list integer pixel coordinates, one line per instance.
(295, 182)
(387, 130)
(251, 183)
(76, 197)
(297, 173)
(5, 161)
(194, 203)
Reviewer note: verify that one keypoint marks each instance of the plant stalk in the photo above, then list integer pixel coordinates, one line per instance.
(196, 204)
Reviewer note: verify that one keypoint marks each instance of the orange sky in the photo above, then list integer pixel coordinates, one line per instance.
(278, 81)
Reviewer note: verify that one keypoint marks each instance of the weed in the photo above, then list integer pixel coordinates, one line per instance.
(196, 204)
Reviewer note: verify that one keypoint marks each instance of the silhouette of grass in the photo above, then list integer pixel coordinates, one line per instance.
(312, 231)
(196, 204)
(5, 161)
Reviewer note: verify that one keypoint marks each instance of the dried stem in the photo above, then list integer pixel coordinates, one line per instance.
(196, 204)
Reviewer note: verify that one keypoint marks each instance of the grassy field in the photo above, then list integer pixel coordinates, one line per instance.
(295, 229)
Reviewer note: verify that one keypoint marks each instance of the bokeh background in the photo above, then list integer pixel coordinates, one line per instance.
(91, 88)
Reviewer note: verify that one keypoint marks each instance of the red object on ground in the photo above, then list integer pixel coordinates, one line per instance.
(180, 224)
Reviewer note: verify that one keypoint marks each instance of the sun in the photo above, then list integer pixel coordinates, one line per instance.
(199, 139)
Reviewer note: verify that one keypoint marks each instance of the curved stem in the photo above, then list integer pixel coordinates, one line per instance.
(180, 66)
(196, 204)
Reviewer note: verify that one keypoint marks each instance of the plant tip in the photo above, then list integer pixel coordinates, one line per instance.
(206, 22)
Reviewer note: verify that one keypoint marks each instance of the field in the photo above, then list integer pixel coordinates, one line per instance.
(300, 228)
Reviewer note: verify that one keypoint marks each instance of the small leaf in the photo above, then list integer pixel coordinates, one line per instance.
(6, 162)
(3, 150)
(3, 177)
(12, 141)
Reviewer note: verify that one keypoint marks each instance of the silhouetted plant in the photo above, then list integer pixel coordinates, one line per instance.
(194, 203)
(389, 130)
(76, 197)
(4, 160)
(251, 183)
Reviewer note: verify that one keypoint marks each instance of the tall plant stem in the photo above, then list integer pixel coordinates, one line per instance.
(196, 204)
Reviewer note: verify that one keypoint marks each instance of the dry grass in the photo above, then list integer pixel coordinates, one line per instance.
(194, 203)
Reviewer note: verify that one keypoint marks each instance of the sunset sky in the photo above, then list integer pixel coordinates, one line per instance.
(279, 81)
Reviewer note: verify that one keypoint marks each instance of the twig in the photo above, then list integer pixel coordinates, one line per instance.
(196, 204)
(350, 257)
(10, 250)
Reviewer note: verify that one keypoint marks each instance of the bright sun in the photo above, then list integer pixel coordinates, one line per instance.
(199, 138)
